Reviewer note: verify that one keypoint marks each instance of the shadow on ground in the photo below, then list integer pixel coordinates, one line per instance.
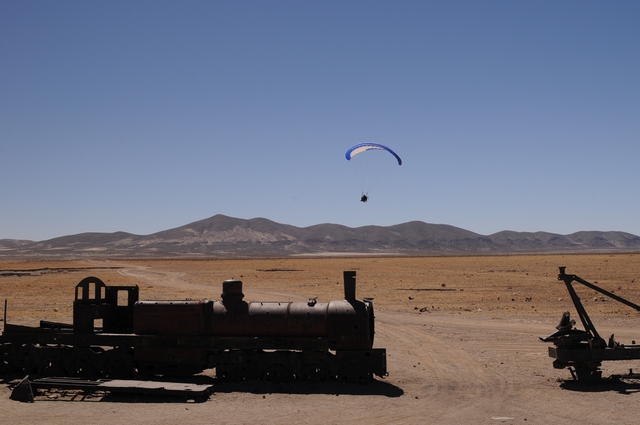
(374, 388)
(626, 387)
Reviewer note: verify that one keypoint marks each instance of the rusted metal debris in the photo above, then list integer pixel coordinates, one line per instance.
(24, 391)
(583, 351)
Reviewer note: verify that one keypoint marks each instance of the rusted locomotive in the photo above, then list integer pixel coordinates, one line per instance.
(115, 335)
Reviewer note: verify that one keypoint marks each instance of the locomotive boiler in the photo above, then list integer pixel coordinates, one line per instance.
(114, 334)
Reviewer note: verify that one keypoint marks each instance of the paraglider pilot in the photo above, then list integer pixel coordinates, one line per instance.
(364, 198)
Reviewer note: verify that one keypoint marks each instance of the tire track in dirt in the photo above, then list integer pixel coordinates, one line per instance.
(156, 277)
(175, 281)
(432, 372)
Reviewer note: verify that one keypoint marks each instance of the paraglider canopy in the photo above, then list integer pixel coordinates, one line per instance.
(363, 147)
(372, 170)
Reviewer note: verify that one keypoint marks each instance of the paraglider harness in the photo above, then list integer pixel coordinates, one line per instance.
(364, 198)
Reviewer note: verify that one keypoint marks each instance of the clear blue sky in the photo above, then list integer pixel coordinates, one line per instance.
(146, 115)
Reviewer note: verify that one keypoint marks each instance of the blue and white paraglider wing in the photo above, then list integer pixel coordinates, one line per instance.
(363, 147)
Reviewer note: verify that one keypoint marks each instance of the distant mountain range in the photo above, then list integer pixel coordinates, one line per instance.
(222, 236)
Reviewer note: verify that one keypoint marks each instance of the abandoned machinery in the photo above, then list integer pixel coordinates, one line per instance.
(114, 335)
(583, 351)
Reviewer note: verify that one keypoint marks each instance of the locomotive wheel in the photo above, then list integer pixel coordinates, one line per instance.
(47, 361)
(278, 373)
(25, 357)
(227, 372)
(314, 372)
(118, 364)
(351, 372)
(83, 364)
(49, 366)
(83, 369)
(6, 367)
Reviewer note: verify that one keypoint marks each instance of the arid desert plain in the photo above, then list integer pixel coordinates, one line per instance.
(461, 335)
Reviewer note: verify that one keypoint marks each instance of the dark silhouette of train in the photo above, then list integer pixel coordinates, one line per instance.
(114, 335)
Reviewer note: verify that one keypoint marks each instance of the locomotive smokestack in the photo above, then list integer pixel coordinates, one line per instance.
(349, 285)
(232, 291)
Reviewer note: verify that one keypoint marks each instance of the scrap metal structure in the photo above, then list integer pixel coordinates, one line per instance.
(114, 335)
(583, 351)
(27, 389)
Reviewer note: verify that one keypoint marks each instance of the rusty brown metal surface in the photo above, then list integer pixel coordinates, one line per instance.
(270, 319)
(173, 317)
(114, 338)
(583, 351)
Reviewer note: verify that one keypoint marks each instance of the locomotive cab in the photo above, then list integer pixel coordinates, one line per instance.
(98, 307)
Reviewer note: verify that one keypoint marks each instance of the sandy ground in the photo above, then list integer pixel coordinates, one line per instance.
(472, 356)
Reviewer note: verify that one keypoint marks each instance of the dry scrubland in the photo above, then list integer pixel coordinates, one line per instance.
(461, 335)
(494, 286)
